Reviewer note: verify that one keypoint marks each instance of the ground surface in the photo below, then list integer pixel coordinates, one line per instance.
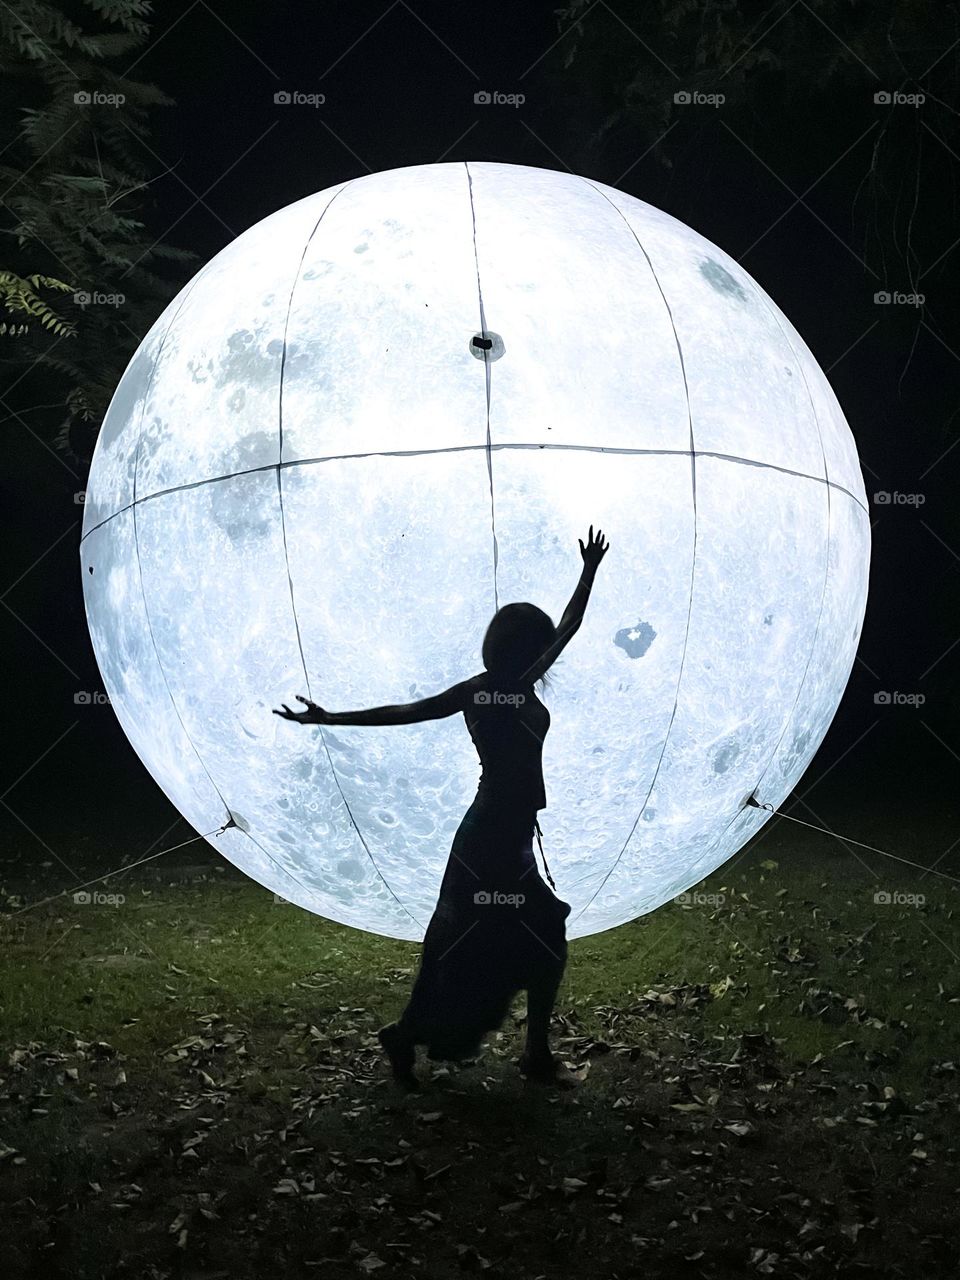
(190, 1085)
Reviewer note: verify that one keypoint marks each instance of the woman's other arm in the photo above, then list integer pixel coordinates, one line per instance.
(443, 704)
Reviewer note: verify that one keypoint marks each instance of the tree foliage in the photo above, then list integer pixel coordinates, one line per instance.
(74, 180)
(21, 300)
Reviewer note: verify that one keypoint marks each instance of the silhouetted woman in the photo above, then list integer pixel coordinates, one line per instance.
(497, 928)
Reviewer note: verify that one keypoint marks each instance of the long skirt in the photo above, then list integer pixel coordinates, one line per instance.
(497, 929)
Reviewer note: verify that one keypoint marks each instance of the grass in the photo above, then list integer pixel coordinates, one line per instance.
(190, 1085)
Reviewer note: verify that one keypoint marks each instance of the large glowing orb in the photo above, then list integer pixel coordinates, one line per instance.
(312, 479)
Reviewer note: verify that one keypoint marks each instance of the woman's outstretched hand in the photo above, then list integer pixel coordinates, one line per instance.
(595, 549)
(312, 715)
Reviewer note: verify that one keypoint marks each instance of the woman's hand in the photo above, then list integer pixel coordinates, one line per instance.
(312, 715)
(594, 551)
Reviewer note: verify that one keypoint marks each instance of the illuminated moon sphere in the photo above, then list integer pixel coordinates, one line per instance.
(393, 406)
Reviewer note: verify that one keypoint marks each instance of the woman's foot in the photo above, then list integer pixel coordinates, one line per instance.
(546, 1068)
(401, 1053)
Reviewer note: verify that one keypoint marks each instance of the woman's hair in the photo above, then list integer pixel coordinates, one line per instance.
(517, 636)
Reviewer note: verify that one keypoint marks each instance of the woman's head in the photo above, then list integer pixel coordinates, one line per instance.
(516, 637)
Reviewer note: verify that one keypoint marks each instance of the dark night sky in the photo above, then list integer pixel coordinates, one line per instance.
(399, 84)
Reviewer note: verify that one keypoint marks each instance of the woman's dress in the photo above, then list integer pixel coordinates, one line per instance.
(497, 928)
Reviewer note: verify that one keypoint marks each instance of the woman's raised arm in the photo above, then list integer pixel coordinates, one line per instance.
(592, 554)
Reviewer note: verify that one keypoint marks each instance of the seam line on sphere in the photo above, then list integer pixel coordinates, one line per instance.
(136, 548)
(826, 567)
(816, 633)
(823, 596)
(283, 362)
(466, 448)
(400, 903)
(279, 865)
(486, 378)
(286, 555)
(146, 611)
(693, 555)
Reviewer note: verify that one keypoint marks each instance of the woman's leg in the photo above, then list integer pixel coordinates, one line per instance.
(545, 968)
(537, 1058)
(402, 1053)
